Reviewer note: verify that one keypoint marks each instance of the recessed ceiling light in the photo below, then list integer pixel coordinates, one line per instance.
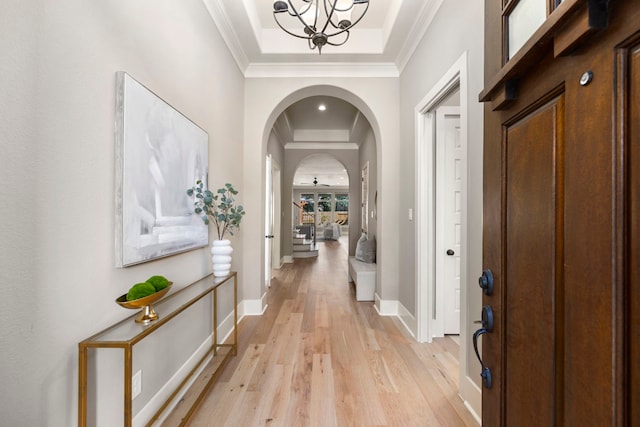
(322, 107)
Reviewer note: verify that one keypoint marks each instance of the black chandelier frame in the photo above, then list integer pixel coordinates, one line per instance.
(322, 37)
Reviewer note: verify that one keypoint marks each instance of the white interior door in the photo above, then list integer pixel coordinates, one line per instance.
(268, 221)
(448, 215)
(276, 217)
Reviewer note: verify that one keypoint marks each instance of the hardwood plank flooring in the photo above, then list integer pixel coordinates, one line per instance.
(319, 358)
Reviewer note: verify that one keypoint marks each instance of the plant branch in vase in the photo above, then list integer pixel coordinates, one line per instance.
(220, 209)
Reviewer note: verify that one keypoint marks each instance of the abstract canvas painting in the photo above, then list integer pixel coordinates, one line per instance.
(159, 154)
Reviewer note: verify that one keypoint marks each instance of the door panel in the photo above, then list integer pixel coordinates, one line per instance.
(449, 215)
(631, 75)
(533, 244)
(561, 201)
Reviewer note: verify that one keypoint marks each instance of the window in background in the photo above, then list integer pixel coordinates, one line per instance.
(342, 208)
(308, 208)
(325, 214)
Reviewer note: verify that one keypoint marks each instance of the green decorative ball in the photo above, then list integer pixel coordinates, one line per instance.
(158, 282)
(140, 290)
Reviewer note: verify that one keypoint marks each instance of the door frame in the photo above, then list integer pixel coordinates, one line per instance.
(268, 222)
(457, 75)
(428, 324)
(276, 183)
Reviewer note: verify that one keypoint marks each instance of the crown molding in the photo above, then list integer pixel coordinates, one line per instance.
(222, 20)
(223, 23)
(340, 70)
(427, 14)
(320, 146)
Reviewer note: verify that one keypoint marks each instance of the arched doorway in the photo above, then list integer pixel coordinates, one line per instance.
(321, 202)
(379, 107)
(310, 137)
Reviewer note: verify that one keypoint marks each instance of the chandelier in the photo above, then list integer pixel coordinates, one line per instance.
(316, 27)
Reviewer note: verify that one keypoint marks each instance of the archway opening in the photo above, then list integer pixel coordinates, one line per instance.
(321, 203)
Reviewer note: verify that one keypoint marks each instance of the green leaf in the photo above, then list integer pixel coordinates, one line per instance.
(190, 192)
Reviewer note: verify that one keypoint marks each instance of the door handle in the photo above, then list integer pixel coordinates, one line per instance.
(487, 318)
(486, 282)
(487, 326)
(450, 252)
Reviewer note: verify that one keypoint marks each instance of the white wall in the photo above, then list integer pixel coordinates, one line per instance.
(57, 100)
(377, 99)
(457, 27)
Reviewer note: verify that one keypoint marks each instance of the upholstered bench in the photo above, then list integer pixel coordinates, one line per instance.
(363, 274)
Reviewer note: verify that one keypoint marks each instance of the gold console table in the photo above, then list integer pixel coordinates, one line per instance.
(127, 333)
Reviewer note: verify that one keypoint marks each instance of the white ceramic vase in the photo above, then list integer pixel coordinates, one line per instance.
(221, 257)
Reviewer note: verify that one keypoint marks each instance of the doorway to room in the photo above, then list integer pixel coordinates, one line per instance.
(297, 129)
(321, 203)
(272, 215)
(441, 193)
(441, 233)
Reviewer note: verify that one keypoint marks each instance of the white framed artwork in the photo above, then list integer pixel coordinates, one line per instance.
(159, 154)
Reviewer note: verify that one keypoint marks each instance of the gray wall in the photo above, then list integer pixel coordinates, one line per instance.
(57, 273)
(367, 153)
(457, 28)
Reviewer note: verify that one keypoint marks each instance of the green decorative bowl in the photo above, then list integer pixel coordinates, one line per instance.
(147, 315)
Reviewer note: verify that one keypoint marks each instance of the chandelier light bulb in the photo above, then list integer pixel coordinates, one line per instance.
(309, 15)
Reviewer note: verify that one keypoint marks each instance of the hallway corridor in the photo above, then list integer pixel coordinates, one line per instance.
(319, 358)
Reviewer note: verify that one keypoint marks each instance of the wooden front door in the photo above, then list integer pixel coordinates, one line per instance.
(562, 215)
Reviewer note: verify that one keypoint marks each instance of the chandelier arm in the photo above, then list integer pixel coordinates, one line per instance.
(335, 7)
(289, 32)
(328, 14)
(342, 10)
(308, 29)
(341, 43)
(353, 24)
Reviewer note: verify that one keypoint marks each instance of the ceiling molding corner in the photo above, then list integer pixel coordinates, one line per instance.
(223, 23)
(426, 16)
(319, 70)
(320, 146)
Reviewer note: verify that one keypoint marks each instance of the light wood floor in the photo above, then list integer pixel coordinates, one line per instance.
(319, 358)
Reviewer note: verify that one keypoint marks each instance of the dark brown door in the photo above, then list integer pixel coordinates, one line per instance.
(562, 216)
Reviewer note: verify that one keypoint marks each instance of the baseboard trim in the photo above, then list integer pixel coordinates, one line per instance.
(472, 412)
(145, 414)
(253, 307)
(386, 307)
(287, 259)
(408, 320)
(471, 395)
(225, 329)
